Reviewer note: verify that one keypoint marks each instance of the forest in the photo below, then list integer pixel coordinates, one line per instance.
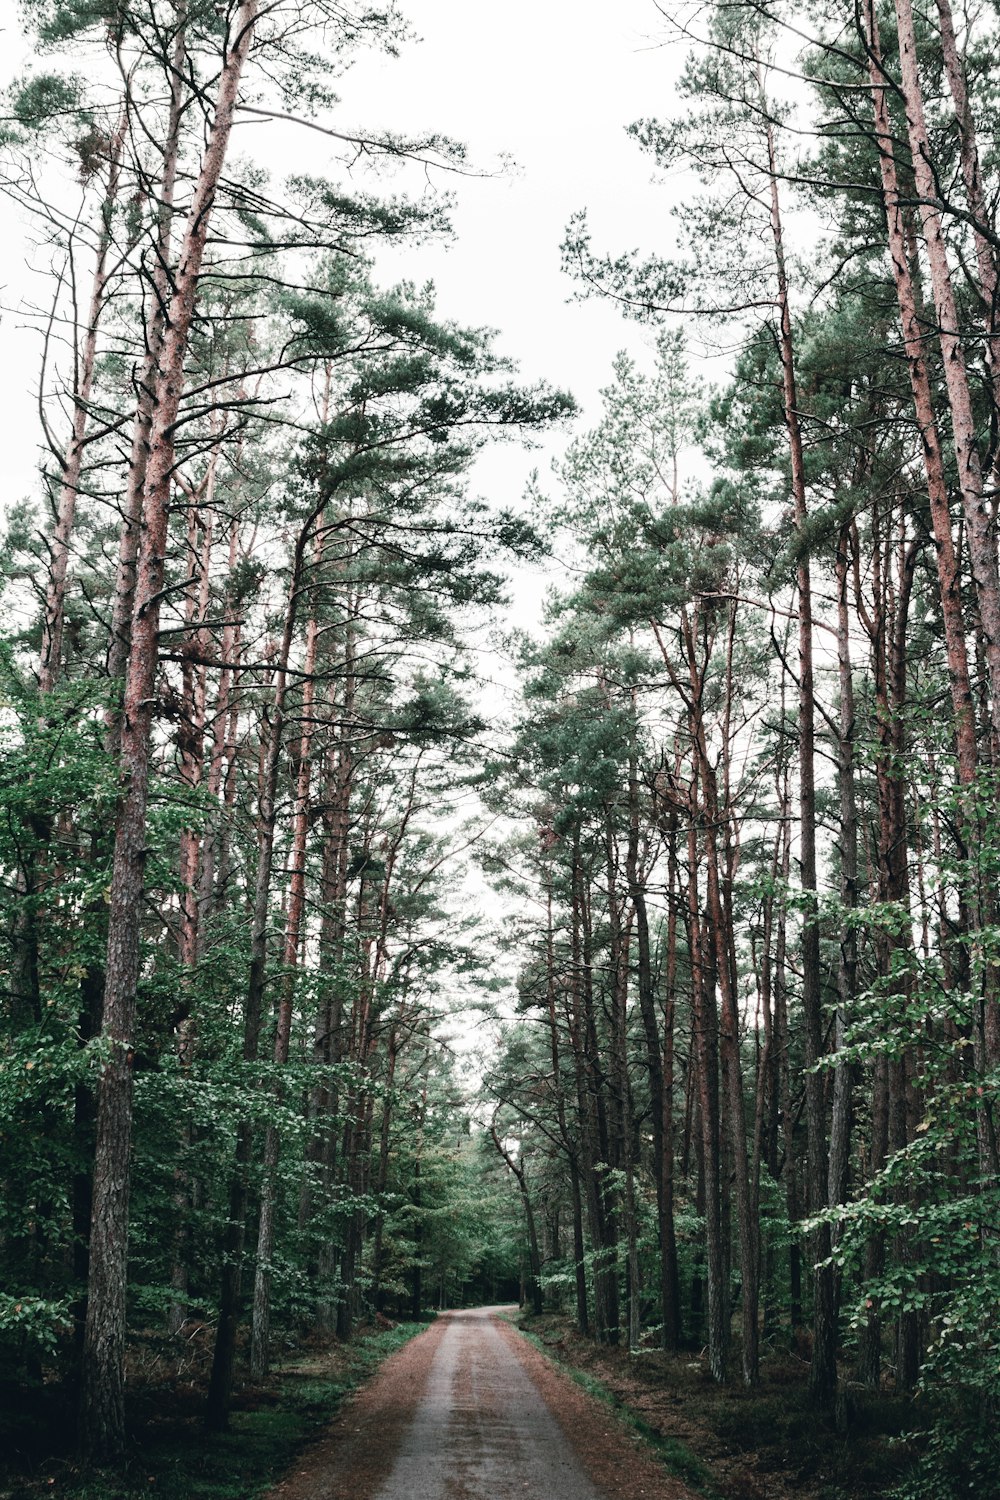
(665, 1001)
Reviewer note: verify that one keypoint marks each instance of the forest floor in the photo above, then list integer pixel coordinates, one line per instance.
(731, 1444)
(171, 1455)
(455, 1412)
(456, 1415)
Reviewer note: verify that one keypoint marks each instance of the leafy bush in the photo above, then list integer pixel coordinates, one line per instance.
(32, 1320)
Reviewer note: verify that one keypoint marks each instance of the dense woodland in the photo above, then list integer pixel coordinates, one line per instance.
(742, 1094)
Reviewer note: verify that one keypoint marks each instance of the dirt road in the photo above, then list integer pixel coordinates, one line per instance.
(480, 1428)
(470, 1411)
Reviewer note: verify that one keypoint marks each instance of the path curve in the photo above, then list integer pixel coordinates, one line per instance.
(470, 1410)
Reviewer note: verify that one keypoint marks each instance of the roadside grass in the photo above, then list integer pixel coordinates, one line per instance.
(172, 1456)
(675, 1457)
(748, 1435)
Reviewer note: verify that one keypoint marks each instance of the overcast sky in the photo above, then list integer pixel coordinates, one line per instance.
(553, 84)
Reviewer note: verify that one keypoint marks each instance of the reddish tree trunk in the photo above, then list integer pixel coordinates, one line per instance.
(949, 583)
(823, 1368)
(979, 522)
(705, 1037)
(261, 1331)
(123, 601)
(103, 1409)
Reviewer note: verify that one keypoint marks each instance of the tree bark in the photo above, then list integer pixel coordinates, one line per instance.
(949, 581)
(516, 1169)
(980, 533)
(103, 1406)
(261, 1326)
(823, 1368)
(220, 1384)
(123, 600)
(705, 1038)
(72, 467)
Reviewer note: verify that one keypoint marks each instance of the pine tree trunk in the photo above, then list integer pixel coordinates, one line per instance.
(103, 1405)
(516, 1169)
(843, 1075)
(720, 920)
(823, 1368)
(123, 601)
(659, 1107)
(621, 1155)
(571, 1147)
(949, 582)
(261, 1323)
(220, 1384)
(705, 1028)
(583, 1041)
(72, 467)
(669, 1268)
(980, 534)
(781, 1037)
(972, 175)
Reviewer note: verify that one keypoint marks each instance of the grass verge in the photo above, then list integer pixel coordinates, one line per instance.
(173, 1457)
(675, 1457)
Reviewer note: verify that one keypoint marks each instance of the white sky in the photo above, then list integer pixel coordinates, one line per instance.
(551, 83)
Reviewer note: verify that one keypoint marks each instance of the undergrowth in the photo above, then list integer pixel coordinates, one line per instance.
(172, 1456)
(748, 1435)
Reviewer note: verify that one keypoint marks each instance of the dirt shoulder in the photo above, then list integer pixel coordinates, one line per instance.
(731, 1444)
(356, 1453)
(619, 1461)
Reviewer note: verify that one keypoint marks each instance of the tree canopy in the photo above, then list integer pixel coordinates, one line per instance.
(670, 1000)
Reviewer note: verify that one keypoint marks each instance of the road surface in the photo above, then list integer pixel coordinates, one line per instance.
(469, 1410)
(481, 1427)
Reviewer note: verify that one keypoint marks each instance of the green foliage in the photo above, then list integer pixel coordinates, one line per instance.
(32, 1321)
(958, 1456)
(39, 101)
(182, 1462)
(934, 1206)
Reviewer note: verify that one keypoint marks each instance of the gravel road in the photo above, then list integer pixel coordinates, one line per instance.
(481, 1428)
(469, 1410)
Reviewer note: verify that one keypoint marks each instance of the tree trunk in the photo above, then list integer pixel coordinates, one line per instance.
(220, 1384)
(123, 601)
(720, 918)
(843, 1075)
(72, 466)
(261, 1326)
(570, 1146)
(823, 1368)
(949, 582)
(980, 535)
(705, 1028)
(103, 1407)
(621, 1155)
(659, 1105)
(534, 1258)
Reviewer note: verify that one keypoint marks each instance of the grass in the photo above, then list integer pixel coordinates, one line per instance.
(175, 1458)
(678, 1459)
(775, 1429)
